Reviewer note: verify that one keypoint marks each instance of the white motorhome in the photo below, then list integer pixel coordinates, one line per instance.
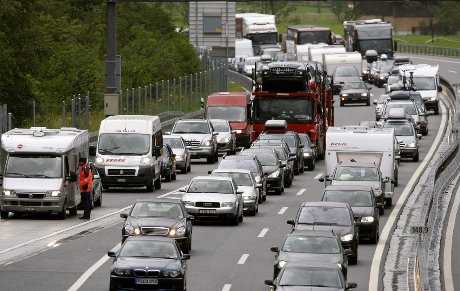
(128, 151)
(301, 51)
(315, 54)
(243, 49)
(41, 170)
(367, 146)
(425, 81)
(259, 28)
(334, 60)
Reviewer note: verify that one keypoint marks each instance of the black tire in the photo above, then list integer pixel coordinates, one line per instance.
(341, 104)
(235, 220)
(416, 157)
(296, 168)
(353, 259)
(62, 214)
(157, 183)
(375, 235)
(425, 132)
(189, 168)
(241, 218)
(73, 211)
(188, 246)
(368, 103)
(4, 214)
(149, 187)
(311, 166)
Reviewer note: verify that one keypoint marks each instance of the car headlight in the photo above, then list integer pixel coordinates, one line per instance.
(99, 161)
(206, 142)
(275, 174)
(180, 158)
(131, 230)
(238, 131)
(411, 145)
(9, 193)
(258, 179)
(344, 95)
(250, 197)
(433, 98)
(364, 94)
(347, 237)
(121, 272)
(367, 219)
(281, 264)
(306, 154)
(172, 273)
(188, 203)
(178, 230)
(146, 160)
(227, 204)
(54, 193)
(224, 138)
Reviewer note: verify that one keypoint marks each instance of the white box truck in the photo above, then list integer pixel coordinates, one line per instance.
(128, 151)
(41, 170)
(364, 145)
(333, 60)
(259, 28)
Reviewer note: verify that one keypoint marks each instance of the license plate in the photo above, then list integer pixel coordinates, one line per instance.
(121, 180)
(145, 281)
(207, 211)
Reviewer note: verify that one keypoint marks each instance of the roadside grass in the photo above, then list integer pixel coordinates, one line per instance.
(452, 41)
(235, 87)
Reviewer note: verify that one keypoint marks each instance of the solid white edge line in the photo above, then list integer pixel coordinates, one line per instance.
(301, 191)
(447, 252)
(227, 287)
(263, 232)
(385, 234)
(243, 259)
(282, 210)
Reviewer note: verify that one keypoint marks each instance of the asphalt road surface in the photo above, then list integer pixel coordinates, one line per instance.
(223, 257)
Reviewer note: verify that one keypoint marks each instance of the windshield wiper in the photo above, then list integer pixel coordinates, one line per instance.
(40, 176)
(18, 174)
(105, 151)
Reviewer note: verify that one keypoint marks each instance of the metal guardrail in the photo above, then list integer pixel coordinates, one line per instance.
(429, 50)
(241, 79)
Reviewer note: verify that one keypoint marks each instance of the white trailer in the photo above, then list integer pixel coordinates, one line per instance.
(315, 54)
(41, 170)
(332, 61)
(259, 28)
(364, 145)
(301, 51)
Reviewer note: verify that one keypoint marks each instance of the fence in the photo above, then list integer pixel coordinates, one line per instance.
(5, 119)
(429, 50)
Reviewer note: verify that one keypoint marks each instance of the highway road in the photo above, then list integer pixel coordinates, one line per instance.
(223, 257)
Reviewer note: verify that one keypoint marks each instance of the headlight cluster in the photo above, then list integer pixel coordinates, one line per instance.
(121, 272)
(53, 193)
(275, 174)
(411, 145)
(347, 237)
(224, 138)
(250, 197)
(188, 203)
(9, 193)
(99, 161)
(433, 98)
(180, 158)
(206, 142)
(281, 264)
(178, 230)
(172, 273)
(345, 95)
(364, 94)
(307, 154)
(131, 230)
(227, 204)
(367, 219)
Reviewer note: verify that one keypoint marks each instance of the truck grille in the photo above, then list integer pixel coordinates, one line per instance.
(121, 172)
(146, 273)
(155, 230)
(208, 204)
(282, 70)
(193, 143)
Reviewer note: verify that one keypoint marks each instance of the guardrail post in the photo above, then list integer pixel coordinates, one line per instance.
(88, 107)
(64, 121)
(10, 121)
(168, 94)
(180, 94)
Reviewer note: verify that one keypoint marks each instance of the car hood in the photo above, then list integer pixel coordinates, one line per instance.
(362, 211)
(238, 125)
(269, 169)
(427, 94)
(195, 136)
(178, 152)
(406, 139)
(208, 197)
(151, 263)
(32, 184)
(373, 184)
(305, 288)
(152, 221)
(247, 190)
(310, 258)
(337, 229)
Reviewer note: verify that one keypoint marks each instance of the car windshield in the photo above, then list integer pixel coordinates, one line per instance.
(393, 80)
(380, 45)
(156, 209)
(288, 138)
(401, 129)
(263, 38)
(425, 83)
(191, 127)
(315, 277)
(175, 143)
(210, 186)
(33, 166)
(124, 144)
(347, 71)
(284, 108)
(230, 113)
(241, 179)
(220, 126)
(148, 249)
(385, 66)
(305, 140)
(239, 164)
(311, 244)
(344, 173)
(324, 215)
(355, 198)
(354, 85)
(409, 108)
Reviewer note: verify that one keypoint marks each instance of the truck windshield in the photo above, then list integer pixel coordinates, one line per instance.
(380, 45)
(124, 144)
(299, 110)
(424, 83)
(263, 38)
(230, 113)
(314, 37)
(34, 166)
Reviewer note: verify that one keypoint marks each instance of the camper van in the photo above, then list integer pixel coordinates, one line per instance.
(128, 151)
(367, 146)
(41, 170)
(315, 54)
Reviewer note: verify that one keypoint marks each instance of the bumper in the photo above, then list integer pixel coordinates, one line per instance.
(354, 99)
(307, 160)
(129, 283)
(224, 147)
(215, 213)
(249, 204)
(274, 184)
(181, 164)
(347, 245)
(366, 230)
(408, 152)
(31, 205)
(201, 152)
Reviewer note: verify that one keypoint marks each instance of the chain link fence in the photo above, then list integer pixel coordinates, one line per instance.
(429, 50)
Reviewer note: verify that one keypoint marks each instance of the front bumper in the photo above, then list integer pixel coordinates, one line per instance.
(129, 283)
(408, 152)
(218, 213)
(275, 184)
(145, 175)
(180, 164)
(249, 204)
(201, 151)
(224, 146)
(47, 204)
(354, 99)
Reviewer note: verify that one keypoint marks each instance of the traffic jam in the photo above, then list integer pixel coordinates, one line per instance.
(258, 143)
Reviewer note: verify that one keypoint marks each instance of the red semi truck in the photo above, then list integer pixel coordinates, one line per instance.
(236, 108)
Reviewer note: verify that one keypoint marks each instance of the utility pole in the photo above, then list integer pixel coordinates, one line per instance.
(111, 94)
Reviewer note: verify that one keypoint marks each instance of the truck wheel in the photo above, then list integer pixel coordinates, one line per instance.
(62, 214)
(4, 214)
(157, 183)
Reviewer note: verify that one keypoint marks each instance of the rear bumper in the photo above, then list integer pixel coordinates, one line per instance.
(354, 99)
(243, 140)
(408, 152)
(274, 184)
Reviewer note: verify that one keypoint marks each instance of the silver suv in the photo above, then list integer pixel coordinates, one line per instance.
(213, 197)
(406, 136)
(199, 137)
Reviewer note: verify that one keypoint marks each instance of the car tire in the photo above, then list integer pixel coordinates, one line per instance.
(62, 214)
(4, 214)
(73, 211)
(157, 183)
(189, 168)
(149, 187)
(296, 168)
(416, 157)
(235, 220)
(425, 132)
(353, 260)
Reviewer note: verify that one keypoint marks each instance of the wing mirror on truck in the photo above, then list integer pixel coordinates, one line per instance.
(439, 88)
(156, 151)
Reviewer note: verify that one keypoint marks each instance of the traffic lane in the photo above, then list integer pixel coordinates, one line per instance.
(449, 68)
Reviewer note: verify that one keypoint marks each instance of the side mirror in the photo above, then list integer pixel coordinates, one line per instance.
(291, 222)
(351, 285)
(419, 136)
(321, 179)
(269, 283)
(209, 172)
(124, 215)
(185, 257)
(92, 150)
(439, 88)
(275, 249)
(375, 102)
(111, 254)
(182, 189)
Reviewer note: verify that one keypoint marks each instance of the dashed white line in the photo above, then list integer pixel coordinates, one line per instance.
(263, 232)
(318, 176)
(282, 210)
(301, 191)
(243, 259)
(452, 71)
(227, 287)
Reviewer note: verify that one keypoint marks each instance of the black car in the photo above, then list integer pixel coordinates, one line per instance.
(306, 276)
(362, 202)
(422, 121)
(342, 75)
(309, 151)
(148, 263)
(272, 167)
(329, 216)
(310, 246)
(355, 92)
(295, 145)
(159, 217)
(168, 164)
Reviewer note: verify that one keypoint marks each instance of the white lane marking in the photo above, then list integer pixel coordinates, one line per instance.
(227, 287)
(301, 191)
(171, 192)
(87, 274)
(452, 71)
(318, 176)
(385, 234)
(53, 244)
(243, 259)
(263, 232)
(282, 210)
(447, 252)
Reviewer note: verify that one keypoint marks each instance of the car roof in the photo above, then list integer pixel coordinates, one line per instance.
(241, 157)
(315, 233)
(218, 120)
(232, 171)
(193, 120)
(310, 264)
(325, 204)
(217, 178)
(172, 136)
(348, 187)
